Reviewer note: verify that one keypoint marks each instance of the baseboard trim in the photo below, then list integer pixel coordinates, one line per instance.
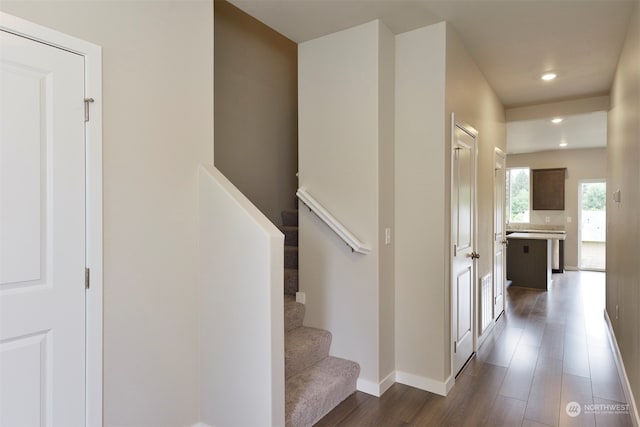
(622, 372)
(570, 268)
(387, 382)
(480, 339)
(368, 387)
(201, 424)
(376, 389)
(427, 384)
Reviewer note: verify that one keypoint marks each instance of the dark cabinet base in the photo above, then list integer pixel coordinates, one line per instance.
(529, 263)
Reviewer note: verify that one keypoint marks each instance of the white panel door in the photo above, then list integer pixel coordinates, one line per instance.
(499, 237)
(42, 235)
(463, 236)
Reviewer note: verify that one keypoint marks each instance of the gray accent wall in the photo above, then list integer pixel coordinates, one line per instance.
(256, 111)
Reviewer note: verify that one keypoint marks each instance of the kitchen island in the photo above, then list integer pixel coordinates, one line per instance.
(529, 258)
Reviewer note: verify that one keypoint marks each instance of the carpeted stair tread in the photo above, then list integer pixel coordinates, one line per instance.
(314, 392)
(291, 257)
(290, 217)
(290, 281)
(293, 313)
(303, 347)
(315, 382)
(290, 235)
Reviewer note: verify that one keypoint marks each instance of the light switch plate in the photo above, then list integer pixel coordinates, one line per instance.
(616, 196)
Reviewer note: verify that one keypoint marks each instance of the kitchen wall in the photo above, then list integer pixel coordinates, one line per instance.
(587, 164)
(256, 109)
(623, 221)
(157, 128)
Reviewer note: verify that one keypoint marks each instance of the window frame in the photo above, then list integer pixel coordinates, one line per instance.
(508, 195)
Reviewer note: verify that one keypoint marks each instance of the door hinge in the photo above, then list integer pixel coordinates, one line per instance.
(87, 278)
(87, 101)
(455, 346)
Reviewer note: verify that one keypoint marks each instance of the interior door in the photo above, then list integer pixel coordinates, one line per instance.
(42, 235)
(499, 237)
(463, 236)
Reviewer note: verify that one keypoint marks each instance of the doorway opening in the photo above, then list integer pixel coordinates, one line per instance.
(592, 225)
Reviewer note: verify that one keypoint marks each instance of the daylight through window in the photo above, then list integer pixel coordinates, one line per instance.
(518, 194)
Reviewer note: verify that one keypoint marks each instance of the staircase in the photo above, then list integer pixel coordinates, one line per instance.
(315, 382)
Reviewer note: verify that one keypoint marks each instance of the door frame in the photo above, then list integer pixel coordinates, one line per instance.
(497, 152)
(455, 122)
(579, 240)
(93, 188)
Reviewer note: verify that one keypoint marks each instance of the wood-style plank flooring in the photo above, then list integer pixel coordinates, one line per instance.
(546, 350)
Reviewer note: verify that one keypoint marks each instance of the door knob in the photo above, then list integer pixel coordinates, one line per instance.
(475, 255)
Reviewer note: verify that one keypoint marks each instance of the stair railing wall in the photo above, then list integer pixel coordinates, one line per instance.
(332, 222)
(241, 306)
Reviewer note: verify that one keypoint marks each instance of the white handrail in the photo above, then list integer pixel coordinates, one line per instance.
(356, 244)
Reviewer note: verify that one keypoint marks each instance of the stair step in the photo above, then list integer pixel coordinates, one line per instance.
(290, 217)
(303, 347)
(290, 235)
(293, 313)
(291, 257)
(314, 392)
(290, 281)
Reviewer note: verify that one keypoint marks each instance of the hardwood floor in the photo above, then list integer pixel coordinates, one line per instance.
(547, 349)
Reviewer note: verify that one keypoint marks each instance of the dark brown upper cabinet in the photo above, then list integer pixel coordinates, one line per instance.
(548, 189)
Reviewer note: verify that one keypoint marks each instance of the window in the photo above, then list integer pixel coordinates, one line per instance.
(518, 194)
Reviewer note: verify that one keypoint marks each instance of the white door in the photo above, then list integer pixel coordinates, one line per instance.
(463, 237)
(42, 235)
(499, 237)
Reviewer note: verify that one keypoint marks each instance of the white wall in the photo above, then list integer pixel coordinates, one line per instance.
(241, 306)
(435, 76)
(343, 128)
(157, 129)
(421, 236)
(386, 206)
(581, 165)
(623, 221)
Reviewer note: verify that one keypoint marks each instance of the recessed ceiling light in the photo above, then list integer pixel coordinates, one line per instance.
(557, 120)
(548, 76)
(563, 144)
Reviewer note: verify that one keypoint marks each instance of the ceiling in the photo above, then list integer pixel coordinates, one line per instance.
(513, 41)
(577, 131)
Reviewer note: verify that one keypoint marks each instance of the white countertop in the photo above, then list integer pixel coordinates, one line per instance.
(535, 230)
(537, 236)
